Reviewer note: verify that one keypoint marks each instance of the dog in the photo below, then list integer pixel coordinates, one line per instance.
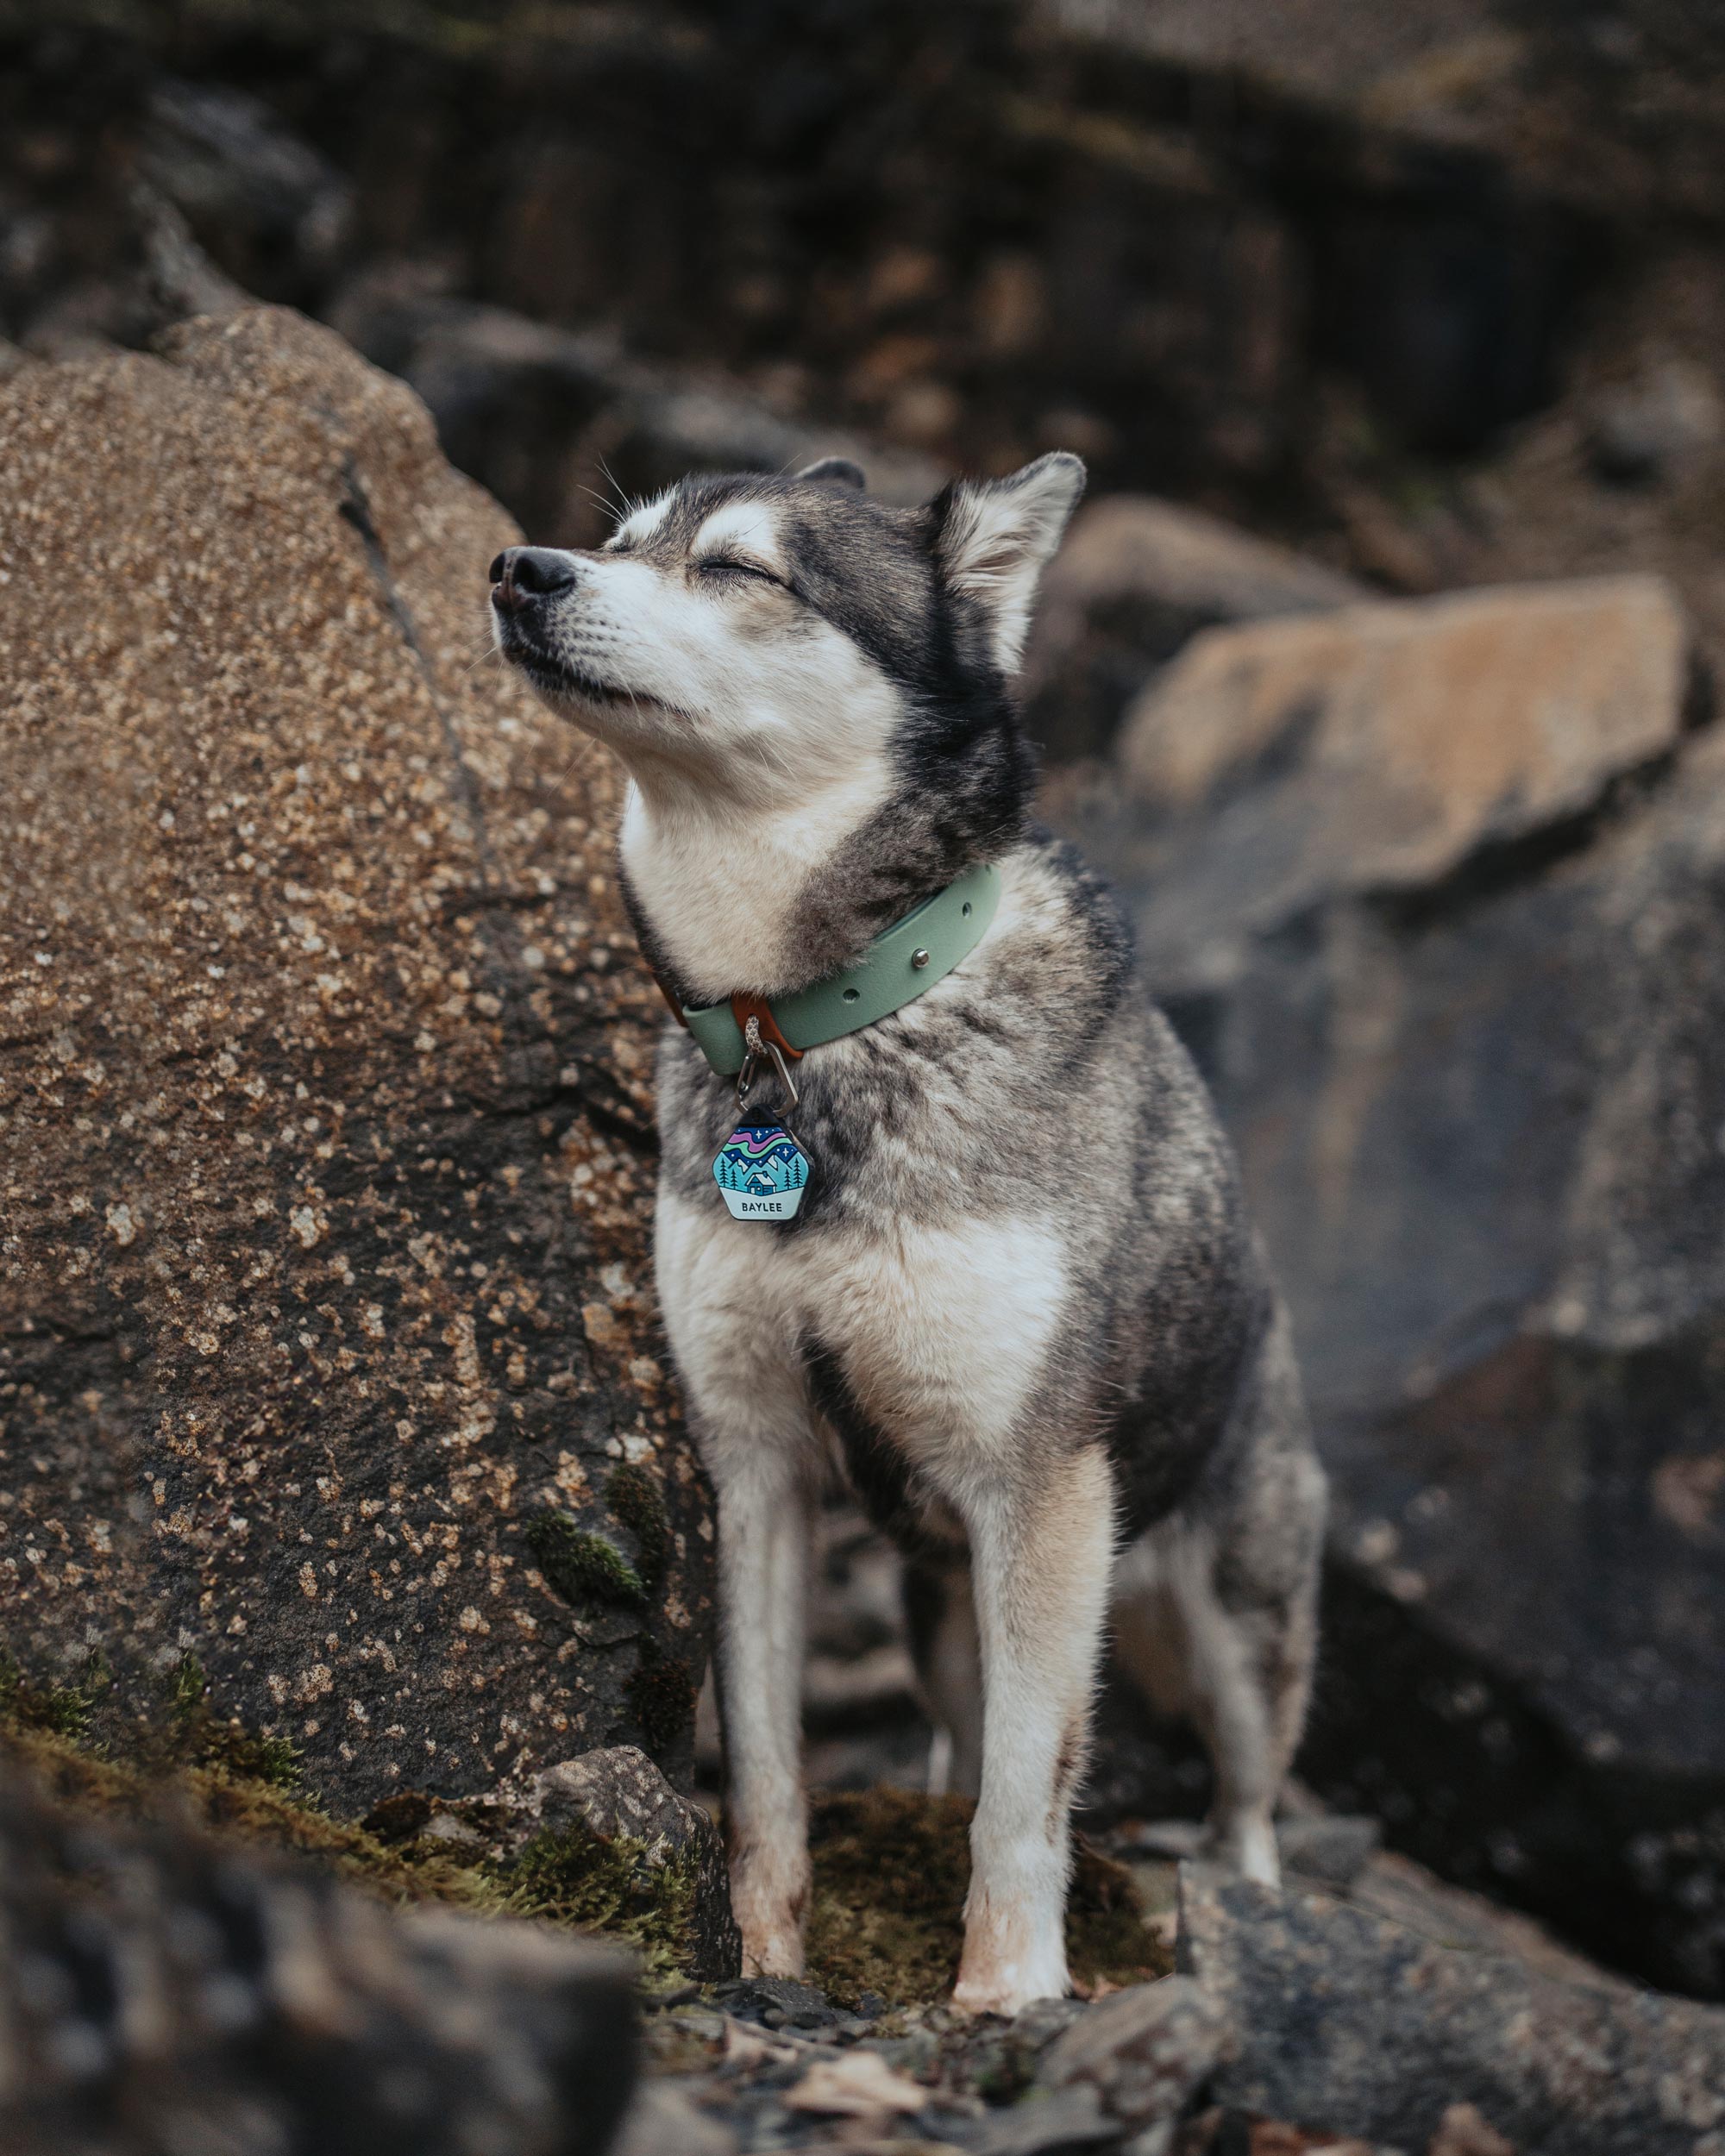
(1020, 1298)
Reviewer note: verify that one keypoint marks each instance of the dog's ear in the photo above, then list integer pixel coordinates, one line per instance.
(994, 536)
(835, 472)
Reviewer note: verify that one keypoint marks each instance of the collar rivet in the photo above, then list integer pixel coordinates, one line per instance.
(919, 958)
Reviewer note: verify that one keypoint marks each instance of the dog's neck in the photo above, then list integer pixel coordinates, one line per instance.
(719, 886)
(771, 890)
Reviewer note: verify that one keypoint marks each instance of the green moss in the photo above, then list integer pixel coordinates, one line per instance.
(186, 1686)
(224, 1776)
(891, 1870)
(220, 1800)
(61, 1710)
(574, 1877)
(198, 1736)
(633, 1496)
(582, 1566)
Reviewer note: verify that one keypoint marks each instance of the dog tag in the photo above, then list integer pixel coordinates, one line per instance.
(761, 1172)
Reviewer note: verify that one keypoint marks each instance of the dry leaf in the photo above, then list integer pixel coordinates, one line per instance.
(855, 2084)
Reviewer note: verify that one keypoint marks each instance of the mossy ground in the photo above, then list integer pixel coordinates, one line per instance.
(574, 1879)
(891, 1869)
(238, 1785)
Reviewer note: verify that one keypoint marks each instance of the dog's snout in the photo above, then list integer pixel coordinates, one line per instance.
(521, 574)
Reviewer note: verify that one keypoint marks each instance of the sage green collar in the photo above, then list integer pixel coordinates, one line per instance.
(899, 966)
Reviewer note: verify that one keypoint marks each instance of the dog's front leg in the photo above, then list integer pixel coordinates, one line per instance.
(1041, 1566)
(765, 1528)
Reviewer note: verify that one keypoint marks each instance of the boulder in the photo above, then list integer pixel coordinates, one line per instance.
(1135, 578)
(1378, 747)
(664, 2122)
(161, 1991)
(1057, 2124)
(1447, 944)
(1348, 2024)
(1145, 2053)
(224, 160)
(327, 1353)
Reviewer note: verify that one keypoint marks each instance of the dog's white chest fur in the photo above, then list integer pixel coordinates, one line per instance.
(941, 1331)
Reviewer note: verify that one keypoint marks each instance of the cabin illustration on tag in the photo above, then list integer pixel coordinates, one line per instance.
(761, 1173)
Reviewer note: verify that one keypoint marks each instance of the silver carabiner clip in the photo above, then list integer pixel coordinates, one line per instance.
(757, 1048)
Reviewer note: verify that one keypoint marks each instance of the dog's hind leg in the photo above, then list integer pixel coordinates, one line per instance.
(1216, 1610)
(1229, 1656)
(940, 1615)
(1041, 1560)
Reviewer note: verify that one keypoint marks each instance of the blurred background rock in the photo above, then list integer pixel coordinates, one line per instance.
(1352, 309)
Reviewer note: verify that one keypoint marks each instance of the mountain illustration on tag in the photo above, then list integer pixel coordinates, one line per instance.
(761, 1172)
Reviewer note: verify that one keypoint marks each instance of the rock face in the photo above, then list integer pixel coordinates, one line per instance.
(984, 225)
(1437, 900)
(1342, 2021)
(160, 1992)
(325, 1142)
(1134, 579)
(1377, 748)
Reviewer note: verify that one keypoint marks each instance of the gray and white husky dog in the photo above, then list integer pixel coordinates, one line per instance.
(1022, 1306)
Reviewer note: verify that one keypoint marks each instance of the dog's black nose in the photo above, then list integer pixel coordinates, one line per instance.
(523, 572)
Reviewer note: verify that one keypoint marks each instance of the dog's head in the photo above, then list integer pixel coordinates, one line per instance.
(790, 625)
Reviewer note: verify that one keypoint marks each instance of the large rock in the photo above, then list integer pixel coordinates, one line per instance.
(1135, 578)
(225, 161)
(1346, 2023)
(325, 1164)
(1378, 747)
(159, 1991)
(1471, 1047)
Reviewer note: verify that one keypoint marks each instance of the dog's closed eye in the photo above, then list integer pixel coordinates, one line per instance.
(721, 566)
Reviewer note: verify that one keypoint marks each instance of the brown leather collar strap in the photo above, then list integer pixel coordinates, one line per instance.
(744, 1007)
(671, 1002)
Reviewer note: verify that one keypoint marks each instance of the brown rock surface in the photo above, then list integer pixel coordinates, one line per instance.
(619, 1798)
(324, 1131)
(1378, 747)
(1143, 2050)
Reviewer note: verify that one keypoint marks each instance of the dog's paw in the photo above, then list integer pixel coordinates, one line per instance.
(772, 1950)
(769, 1898)
(1008, 1990)
(1247, 1846)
